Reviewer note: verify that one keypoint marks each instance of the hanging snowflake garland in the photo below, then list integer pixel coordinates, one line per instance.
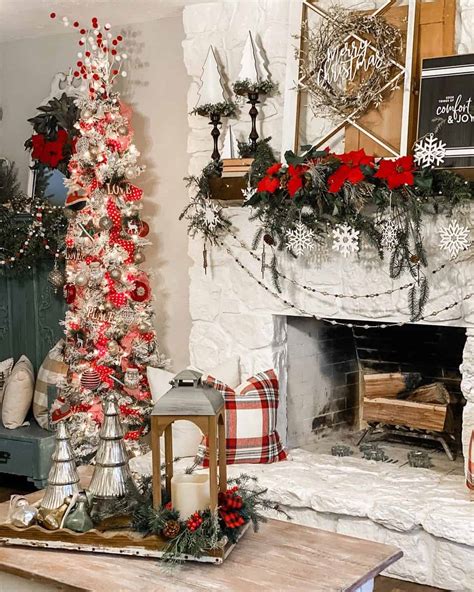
(345, 239)
(389, 238)
(429, 151)
(454, 238)
(300, 239)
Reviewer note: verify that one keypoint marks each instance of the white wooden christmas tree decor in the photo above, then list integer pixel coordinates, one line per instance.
(63, 478)
(211, 91)
(230, 147)
(252, 64)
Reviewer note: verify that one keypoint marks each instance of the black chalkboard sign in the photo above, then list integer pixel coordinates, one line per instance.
(447, 93)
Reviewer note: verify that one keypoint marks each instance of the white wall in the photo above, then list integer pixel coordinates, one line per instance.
(156, 89)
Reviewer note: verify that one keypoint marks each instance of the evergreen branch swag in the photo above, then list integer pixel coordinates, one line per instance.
(323, 191)
(242, 503)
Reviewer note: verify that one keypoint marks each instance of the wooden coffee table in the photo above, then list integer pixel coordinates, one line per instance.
(282, 556)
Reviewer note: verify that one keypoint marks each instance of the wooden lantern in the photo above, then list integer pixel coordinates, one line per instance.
(190, 400)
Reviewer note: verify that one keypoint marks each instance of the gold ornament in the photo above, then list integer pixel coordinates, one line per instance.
(115, 273)
(51, 519)
(123, 130)
(105, 223)
(139, 257)
(113, 347)
(56, 279)
(143, 327)
(81, 279)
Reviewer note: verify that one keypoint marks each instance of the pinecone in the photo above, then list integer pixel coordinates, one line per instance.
(171, 529)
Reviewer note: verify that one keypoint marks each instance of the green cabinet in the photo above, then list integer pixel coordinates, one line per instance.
(30, 312)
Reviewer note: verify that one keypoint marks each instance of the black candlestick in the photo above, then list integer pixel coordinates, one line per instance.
(215, 122)
(253, 137)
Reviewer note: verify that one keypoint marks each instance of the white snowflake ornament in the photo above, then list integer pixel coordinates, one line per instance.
(454, 238)
(300, 239)
(345, 239)
(249, 191)
(389, 235)
(210, 213)
(429, 151)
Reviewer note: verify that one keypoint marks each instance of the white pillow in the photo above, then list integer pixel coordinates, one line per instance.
(187, 436)
(227, 371)
(18, 394)
(5, 370)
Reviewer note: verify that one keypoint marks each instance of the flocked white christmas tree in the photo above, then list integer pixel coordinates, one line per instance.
(110, 338)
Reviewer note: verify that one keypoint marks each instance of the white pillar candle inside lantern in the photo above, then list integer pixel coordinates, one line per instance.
(190, 493)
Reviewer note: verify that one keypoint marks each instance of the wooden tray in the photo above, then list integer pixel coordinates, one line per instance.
(123, 542)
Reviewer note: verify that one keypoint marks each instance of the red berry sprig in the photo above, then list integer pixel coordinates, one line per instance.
(194, 522)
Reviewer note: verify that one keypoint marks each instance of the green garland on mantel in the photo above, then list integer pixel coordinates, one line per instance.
(324, 192)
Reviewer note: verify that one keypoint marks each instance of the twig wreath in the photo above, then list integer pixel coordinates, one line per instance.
(348, 62)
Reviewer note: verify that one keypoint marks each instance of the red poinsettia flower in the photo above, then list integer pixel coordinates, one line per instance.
(396, 172)
(37, 141)
(350, 169)
(269, 184)
(53, 153)
(273, 170)
(295, 181)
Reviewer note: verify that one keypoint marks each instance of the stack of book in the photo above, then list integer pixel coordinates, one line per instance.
(236, 167)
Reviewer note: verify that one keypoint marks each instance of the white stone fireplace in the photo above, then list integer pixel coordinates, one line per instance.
(232, 314)
(428, 515)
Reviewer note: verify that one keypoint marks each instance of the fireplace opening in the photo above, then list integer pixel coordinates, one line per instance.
(400, 387)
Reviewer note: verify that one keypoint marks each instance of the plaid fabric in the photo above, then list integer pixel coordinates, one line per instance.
(51, 371)
(470, 464)
(251, 416)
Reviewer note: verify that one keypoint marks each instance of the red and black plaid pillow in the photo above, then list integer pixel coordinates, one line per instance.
(251, 417)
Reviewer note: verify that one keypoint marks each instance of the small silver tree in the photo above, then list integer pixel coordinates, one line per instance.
(111, 476)
(63, 478)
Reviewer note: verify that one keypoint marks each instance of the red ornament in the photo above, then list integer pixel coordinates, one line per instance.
(144, 229)
(90, 380)
(52, 15)
(69, 293)
(140, 292)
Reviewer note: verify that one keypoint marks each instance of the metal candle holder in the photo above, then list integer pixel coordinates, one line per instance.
(215, 133)
(253, 101)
